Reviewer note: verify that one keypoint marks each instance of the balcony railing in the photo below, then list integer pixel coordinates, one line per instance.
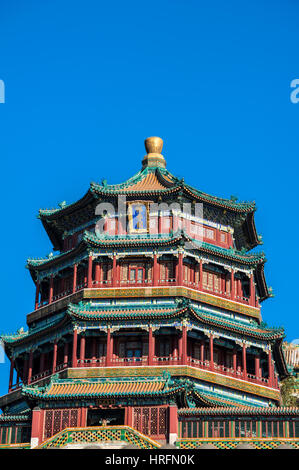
(149, 283)
(221, 369)
(156, 361)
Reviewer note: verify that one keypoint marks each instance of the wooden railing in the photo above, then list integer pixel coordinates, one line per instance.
(149, 283)
(157, 361)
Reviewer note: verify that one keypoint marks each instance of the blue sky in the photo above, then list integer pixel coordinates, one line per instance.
(87, 82)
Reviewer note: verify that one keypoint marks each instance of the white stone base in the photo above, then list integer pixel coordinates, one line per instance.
(172, 438)
(34, 442)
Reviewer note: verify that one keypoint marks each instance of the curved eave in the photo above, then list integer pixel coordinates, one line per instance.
(78, 313)
(32, 393)
(250, 228)
(29, 336)
(261, 282)
(40, 265)
(238, 329)
(208, 401)
(92, 241)
(75, 312)
(14, 418)
(280, 360)
(174, 190)
(49, 217)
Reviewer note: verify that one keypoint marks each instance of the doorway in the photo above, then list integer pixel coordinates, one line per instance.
(137, 275)
(106, 417)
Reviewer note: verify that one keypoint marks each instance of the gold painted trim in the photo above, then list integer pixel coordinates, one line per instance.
(174, 291)
(186, 371)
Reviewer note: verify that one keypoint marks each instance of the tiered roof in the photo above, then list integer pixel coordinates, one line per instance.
(153, 181)
(88, 311)
(182, 390)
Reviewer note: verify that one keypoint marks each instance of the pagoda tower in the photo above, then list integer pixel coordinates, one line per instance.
(147, 313)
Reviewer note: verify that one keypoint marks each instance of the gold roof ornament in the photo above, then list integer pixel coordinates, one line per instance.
(153, 158)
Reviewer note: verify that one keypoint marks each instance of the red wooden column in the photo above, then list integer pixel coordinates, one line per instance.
(202, 351)
(89, 272)
(74, 355)
(54, 363)
(235, 360)
(270, 369)
(173, 424)
(97, 274)
(37, 427)
(51, 289)
(129, 416)
(180, 347)
(155, 270)
(66, 353)
(118, 274)
(83, 417)
(75, 277)
(12, 366)
(180, 269)
(114, 271)
(184, 345)
(30, 367)
(82, 350)
(37, 294)
(232, 284)
(93, 350)
(244, 363)
(112, 348)
(211, 352)
(108, 348)
(151, 346)
(257, 367)
(252, 291)
(200, 274)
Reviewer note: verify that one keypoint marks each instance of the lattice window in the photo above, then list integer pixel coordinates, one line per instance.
(162, 421)
(48, 424)
(124, 270)
(151, 421)
(149, 271)
(65, 419)
(56, 420)
(137, 419)
(74, 418)
(154, 421)
(145, 421)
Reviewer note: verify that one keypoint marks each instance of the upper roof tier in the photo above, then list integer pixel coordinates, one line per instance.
(152, 182)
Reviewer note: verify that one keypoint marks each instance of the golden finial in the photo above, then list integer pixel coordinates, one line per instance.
(153, 147)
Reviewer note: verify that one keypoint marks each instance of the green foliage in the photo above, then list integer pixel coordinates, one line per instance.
(288, 389)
